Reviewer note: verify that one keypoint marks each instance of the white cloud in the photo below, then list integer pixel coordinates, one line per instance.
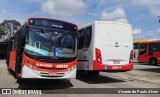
(155, 34)
(137, 31)
(118, 14)
(102, 3)
(146, 2)
(153, 6)
(155, 10)
(64, 7)
(150, 35)
(3, 15)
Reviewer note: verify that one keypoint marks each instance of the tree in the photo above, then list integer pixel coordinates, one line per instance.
(1, 32)
(9, 27)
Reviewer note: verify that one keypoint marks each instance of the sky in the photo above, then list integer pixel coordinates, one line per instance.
(141, 14)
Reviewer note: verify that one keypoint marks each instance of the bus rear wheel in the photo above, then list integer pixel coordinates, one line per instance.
(153, 61)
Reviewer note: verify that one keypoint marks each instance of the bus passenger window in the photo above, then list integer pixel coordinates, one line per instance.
(88, 36)
(153, 48)
(143, 49)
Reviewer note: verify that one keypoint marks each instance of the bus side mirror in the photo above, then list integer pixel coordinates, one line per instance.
(25, 27)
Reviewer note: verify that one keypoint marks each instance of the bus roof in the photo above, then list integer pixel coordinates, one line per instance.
(139, 41)
(27, 20)
(151, 41)
(92, 23)
(51, 19)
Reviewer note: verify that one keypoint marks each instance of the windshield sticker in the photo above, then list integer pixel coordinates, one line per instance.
(37, 50)
(57, 53)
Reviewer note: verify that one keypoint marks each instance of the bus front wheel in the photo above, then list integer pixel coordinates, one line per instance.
(20, 80)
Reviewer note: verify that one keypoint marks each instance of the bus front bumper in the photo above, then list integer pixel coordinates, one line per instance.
(34, 74)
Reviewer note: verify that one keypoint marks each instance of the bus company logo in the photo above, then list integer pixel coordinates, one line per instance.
(116, 43)
(44, 65)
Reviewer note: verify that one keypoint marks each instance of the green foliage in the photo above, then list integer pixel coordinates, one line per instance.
(1, 32)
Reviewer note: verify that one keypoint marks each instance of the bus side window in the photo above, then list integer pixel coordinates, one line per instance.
(136, 45)
(81, 38)
(88, 36)
(142, 49)
(153, 48)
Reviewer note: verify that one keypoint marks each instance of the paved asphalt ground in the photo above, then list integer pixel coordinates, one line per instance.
(143, 76)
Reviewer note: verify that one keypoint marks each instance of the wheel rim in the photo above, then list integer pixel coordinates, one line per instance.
(153, 62)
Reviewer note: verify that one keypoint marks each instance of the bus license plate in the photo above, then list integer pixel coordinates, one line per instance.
(52, 74)
(116, 62)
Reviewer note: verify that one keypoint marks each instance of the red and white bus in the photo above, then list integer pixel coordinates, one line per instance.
(149, 52)
(105, 46)
(44, 49)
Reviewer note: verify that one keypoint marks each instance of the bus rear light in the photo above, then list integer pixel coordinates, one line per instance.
(131, 57)
(98, 56)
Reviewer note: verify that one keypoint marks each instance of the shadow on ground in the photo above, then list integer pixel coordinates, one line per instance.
(148, 64)
(155, 70)
(44, 84)
(96, 79)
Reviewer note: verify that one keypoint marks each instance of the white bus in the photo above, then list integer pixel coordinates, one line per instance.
(105, 46)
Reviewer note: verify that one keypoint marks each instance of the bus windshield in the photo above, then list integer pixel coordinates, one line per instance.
(54, 43)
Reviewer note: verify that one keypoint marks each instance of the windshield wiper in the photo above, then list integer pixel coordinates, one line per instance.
(44, 32)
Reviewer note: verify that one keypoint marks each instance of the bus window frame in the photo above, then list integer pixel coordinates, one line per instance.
(81, 37)
(87, 41)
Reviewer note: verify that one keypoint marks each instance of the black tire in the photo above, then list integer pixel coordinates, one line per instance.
(9, 70)
(93, 73)
(20, 80)
(153, 61)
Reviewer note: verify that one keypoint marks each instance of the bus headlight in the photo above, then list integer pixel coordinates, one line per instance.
(30, 65)
(73, 67)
